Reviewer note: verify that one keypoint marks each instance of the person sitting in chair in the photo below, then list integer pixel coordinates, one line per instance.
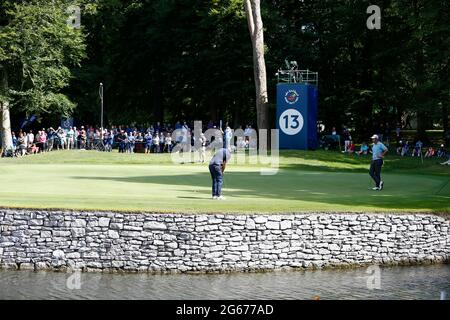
(364, 149)
(405, 148)
(33, 149)
(430, 152)
(441, 151)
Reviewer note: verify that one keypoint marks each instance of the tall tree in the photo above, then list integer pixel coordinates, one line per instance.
(5, 131)
(37, 49)
(255, 27)
(157, 68)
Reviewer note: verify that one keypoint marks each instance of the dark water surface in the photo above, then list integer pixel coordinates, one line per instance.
(411, 282)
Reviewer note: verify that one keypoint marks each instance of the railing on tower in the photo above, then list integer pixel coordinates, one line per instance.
(294, 75)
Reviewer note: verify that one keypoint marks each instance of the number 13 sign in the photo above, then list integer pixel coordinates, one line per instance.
(291, 122)
(296, 115)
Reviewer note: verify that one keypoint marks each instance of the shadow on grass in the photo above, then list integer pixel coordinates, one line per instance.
(342, 188)
(326, 156)
(335, 161)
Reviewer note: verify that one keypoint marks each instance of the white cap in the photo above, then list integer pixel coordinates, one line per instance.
(374, 137)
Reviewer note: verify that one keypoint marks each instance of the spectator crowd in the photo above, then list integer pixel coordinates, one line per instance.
(156, 138)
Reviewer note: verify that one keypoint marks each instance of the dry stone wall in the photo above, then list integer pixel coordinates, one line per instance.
(106, 241)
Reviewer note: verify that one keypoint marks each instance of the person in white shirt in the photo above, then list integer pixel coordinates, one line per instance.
(168, 143)
(242, 143)
(184, 133)
(70, 138)
(61, 134)
(247, 131)
(156, 143)
(30, 138)
(228, 137)
(202, 149)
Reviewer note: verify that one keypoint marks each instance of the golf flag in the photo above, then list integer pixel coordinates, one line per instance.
(67, 123)
(28, 121)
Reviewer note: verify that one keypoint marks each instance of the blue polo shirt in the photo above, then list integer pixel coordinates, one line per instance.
(221, 156)
(377, 150)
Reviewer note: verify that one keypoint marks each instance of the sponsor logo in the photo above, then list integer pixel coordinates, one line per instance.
(291, 96)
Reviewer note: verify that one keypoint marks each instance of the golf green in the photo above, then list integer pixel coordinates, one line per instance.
(98, 181)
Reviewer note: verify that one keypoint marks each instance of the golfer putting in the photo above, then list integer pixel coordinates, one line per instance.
(379, 150)
(217, 167)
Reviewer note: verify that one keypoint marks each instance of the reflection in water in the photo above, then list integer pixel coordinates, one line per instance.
(413, 282)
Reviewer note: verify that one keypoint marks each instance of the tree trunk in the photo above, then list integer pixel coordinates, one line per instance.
(255, 26)
(5, 122)
(5, 129)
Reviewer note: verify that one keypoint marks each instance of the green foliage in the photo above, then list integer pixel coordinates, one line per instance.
(166, 60)
(367, 77)
(37, 50)
(171, 59)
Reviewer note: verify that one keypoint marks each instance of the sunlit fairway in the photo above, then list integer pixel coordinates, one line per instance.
(306, 181)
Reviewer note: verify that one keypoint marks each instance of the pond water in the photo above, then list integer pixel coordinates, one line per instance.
(406, 282)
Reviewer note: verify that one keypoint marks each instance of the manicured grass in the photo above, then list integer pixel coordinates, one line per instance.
(306, 181)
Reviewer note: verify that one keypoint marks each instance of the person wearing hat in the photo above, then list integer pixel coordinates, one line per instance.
(441, 151)
(379, 150)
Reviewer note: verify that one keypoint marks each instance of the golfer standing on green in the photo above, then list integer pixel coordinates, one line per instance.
(216, 168)
(378, 152)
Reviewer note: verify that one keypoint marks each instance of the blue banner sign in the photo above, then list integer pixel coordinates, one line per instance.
(297, 115)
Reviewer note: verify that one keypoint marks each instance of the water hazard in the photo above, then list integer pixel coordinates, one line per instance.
(406, 282)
